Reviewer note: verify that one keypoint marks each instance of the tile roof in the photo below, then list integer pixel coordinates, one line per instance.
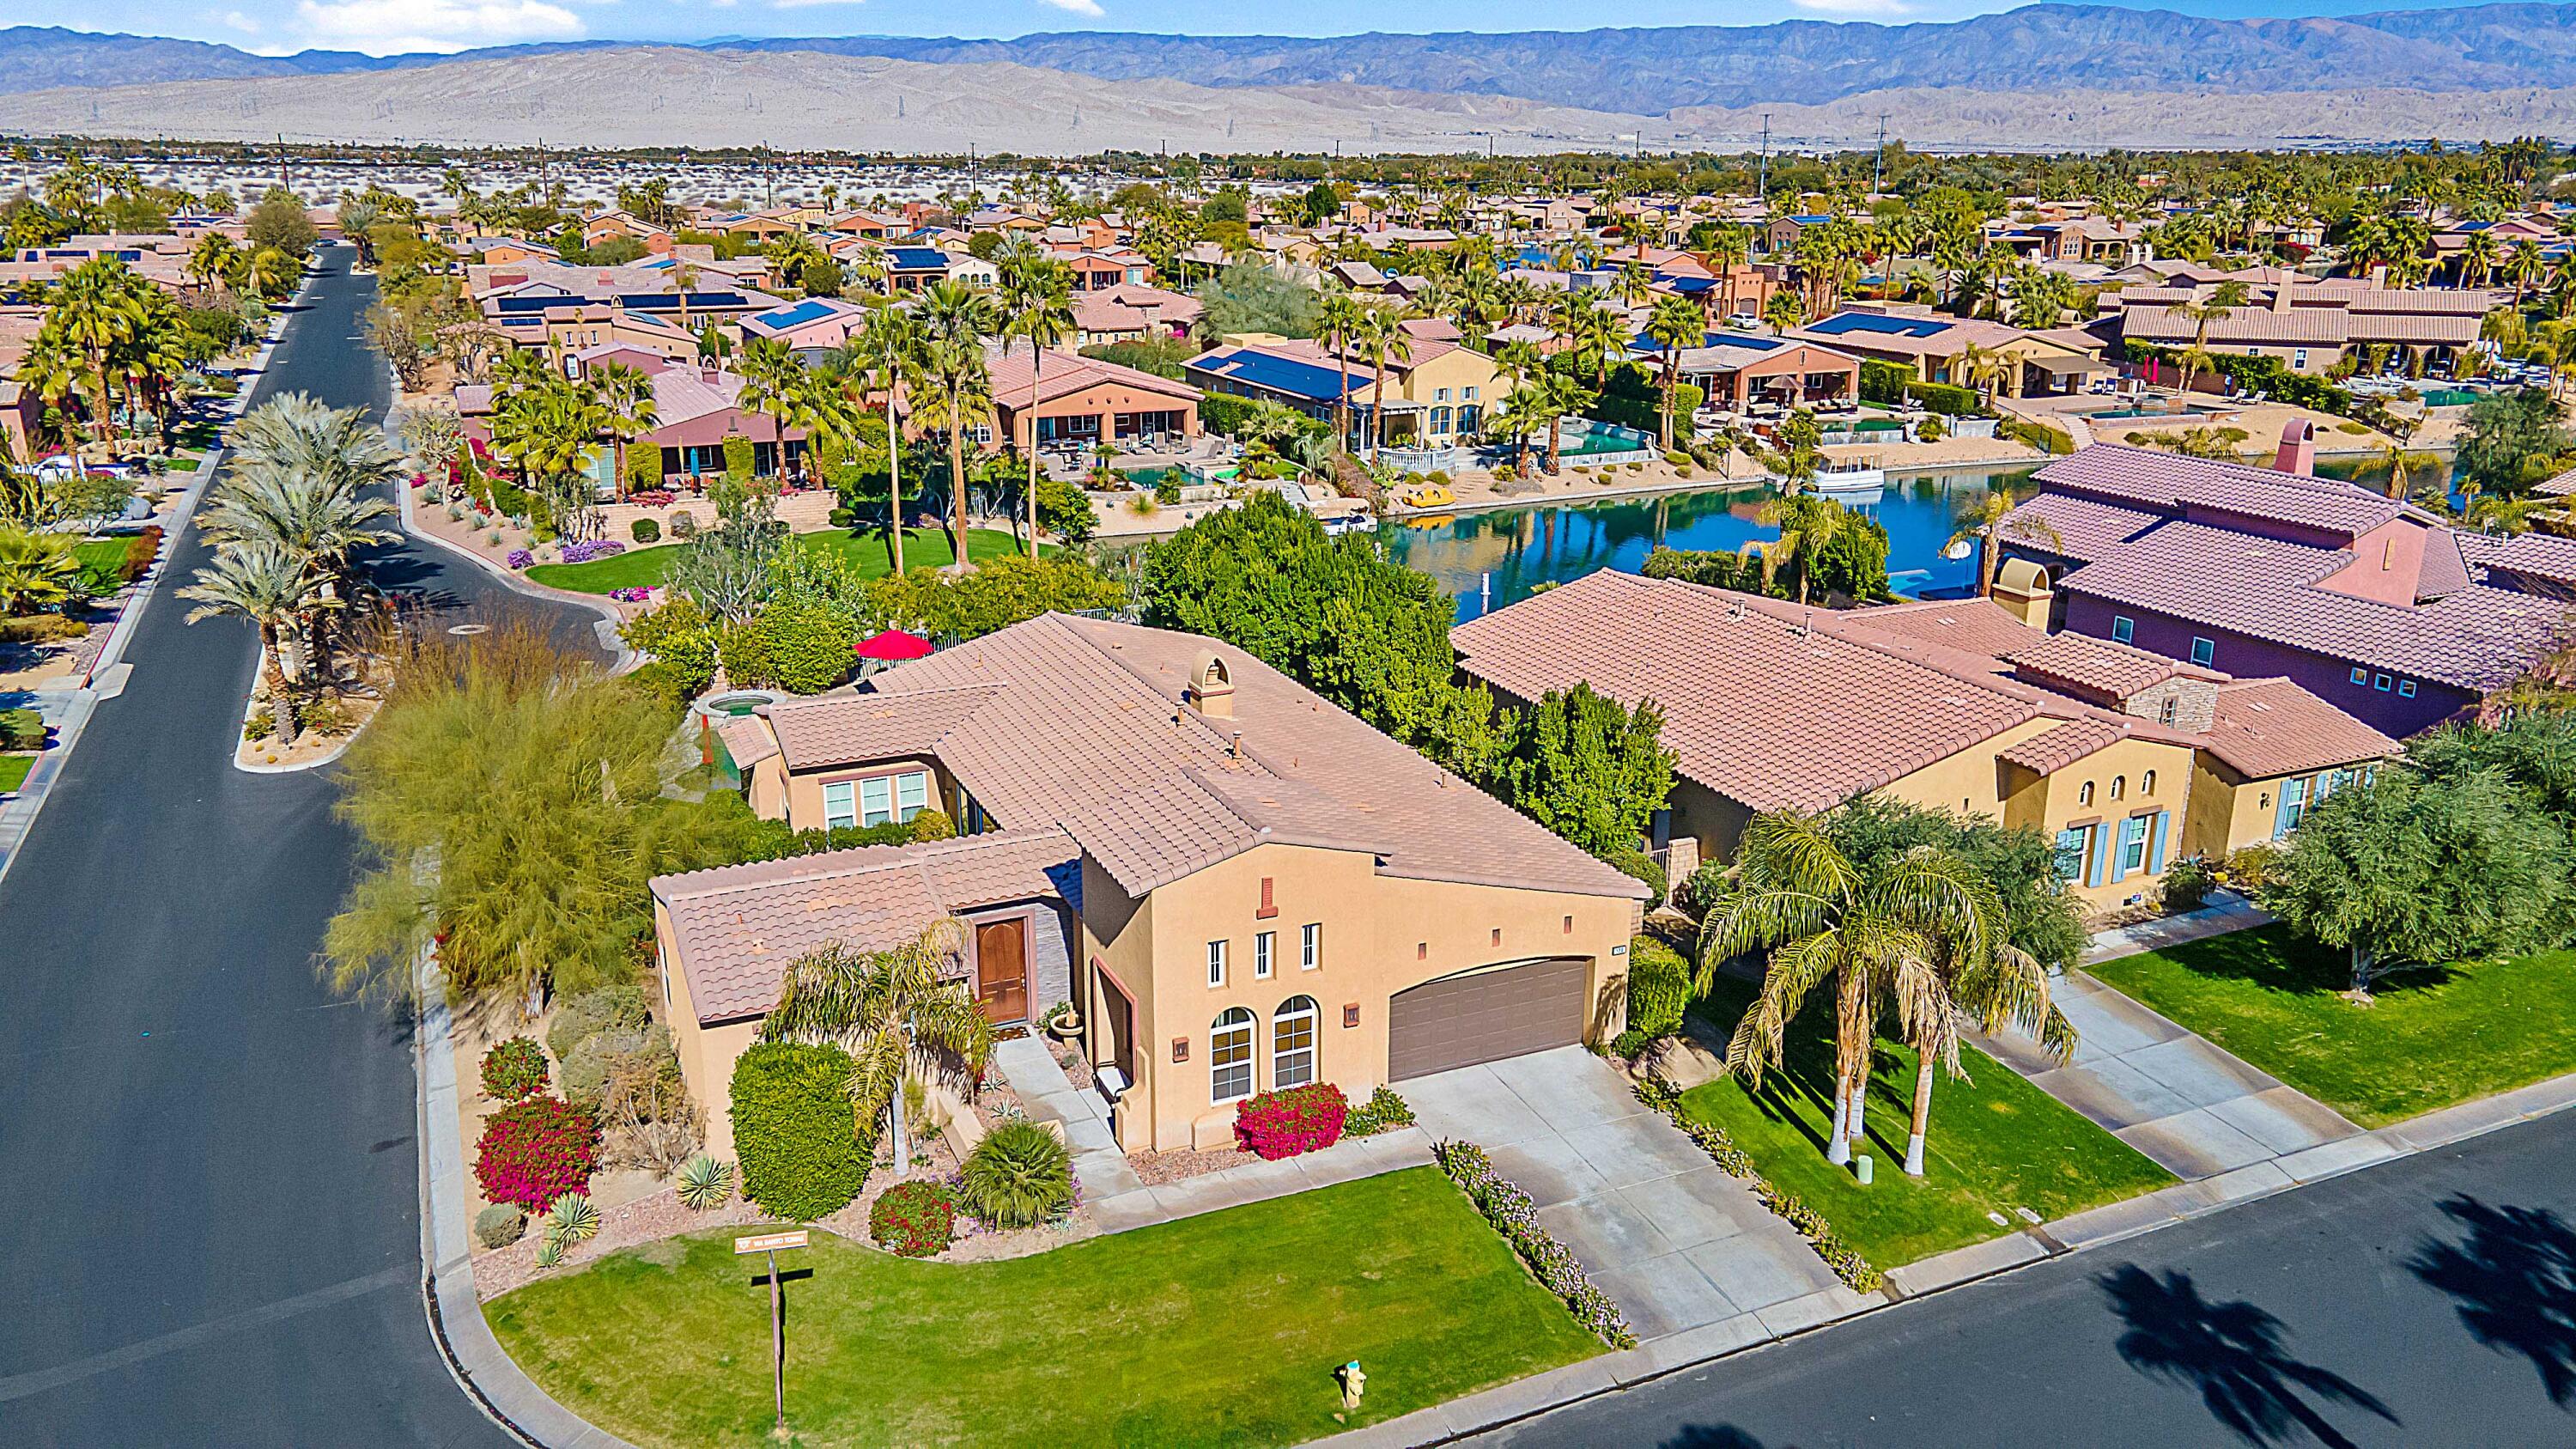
(1979, 626)
(1085, 727)
(2170, 483)
(746, 742)
(2272, 727)
(2052, 750)
(1759, 706)
(2074, 527)
(738, 927)
(2085, 665)
(1066, 374)
(832, 730)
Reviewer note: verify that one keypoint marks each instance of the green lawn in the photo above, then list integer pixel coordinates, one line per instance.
(2431, 1038)
(13, 771)
(642, 567)
(1996, 1143)
(103, 560)
(1221, 1329)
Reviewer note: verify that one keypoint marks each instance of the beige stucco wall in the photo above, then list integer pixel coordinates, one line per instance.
(2057, 803)
(1381, 935)
(803, 789)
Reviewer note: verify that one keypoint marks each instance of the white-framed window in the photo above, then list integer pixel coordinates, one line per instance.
(2299, 359)
(2203, 651)
(2123, 629)
(2119, 786)
(2072, 846)
(877, 799)
(1264, 950)
(2084, 793)
(1292, 1043)
(1216, 963)
(2147, 783)
(1310, 946)
(840, 804)
(2133, 846)
(2170, 709)
(1230, 1055)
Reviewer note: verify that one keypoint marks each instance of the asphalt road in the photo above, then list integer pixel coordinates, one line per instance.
(2429, 1301)
(216, 1235)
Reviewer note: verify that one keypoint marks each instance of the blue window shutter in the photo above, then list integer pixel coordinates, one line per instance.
(2156, 852)
(2282, 805)
(2129, 831)
(2101, 856)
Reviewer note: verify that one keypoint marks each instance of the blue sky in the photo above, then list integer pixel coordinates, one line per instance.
(388, 26)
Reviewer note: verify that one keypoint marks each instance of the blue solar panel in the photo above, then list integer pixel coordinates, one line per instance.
(809, 310)
(918, 259)
(1276, 374)
(1880, 325)
(1742, 341)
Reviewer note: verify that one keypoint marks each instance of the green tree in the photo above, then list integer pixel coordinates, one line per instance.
(280, 223)
(2511, 441)
(1251, 297)
(2405, 870)
(261, 582)
(888, 1009)
(1587, 767)
(1676, 323)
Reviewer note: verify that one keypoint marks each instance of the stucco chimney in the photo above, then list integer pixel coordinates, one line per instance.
(1211, 690)
(2298, 453)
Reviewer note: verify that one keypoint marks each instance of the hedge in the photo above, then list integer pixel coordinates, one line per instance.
(801, 1151)
(1658, 988)
(1223, 412)
(1945, 399)
(1883, 382)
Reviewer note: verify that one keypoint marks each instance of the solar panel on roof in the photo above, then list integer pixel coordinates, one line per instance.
(809, 310)
(1880, 325)
(1277, 374)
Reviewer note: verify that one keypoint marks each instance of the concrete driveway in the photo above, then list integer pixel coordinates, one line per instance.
(1676, 1242)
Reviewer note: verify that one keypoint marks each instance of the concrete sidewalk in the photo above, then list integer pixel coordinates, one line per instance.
(2225, 911)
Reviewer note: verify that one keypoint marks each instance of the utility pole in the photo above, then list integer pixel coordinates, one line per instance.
(285, 173)
(1878, 167)
(1762, 187)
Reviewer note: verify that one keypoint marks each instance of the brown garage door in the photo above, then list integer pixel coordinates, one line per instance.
(1484, 1016)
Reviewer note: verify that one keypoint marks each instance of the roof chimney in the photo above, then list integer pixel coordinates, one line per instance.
(2298, 452)
(1211, 689)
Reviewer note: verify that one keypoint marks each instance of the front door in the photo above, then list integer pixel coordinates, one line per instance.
(1002, 970)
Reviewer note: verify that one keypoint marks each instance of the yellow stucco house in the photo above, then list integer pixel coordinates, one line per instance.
(1237, 885)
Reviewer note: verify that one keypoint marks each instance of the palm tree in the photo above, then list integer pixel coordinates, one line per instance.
(2527, 265)
(1784, 312)
(959, 399)
(265, 584)
(626, 394)
(2397, 463)
(889, 348)
(97, 310)
(1988, 524)
(37, 570)
(2478, 256)
(1340, 319)
(303, 480)
(1972, 968)
(774, 385)
(1729, 247)
(1675, 323)
(214, 261)
(1041, 311)
(1809, 523)
(1382, 339)
(1982, 369)
(887, 1009)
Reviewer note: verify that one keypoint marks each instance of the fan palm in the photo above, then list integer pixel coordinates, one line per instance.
(1041, 312)
(891, 1010)
(263, 583)
(1784, 311)
(1675, 323)
(1991, 522)
(37, 570)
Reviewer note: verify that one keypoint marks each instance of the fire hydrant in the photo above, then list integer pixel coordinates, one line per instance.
(1353, 1382)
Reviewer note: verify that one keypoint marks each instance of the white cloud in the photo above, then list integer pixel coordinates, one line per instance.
(1078, 7)
(241, 22)
(1855, 7)
(387, 27)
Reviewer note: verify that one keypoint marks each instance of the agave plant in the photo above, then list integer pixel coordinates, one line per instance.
(705, 1183)
(550, 1251)
(1018, 1176)
(573, 1219)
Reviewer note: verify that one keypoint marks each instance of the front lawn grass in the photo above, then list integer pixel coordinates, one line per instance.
(1222, 1329)
(103, 561)
(1996, 1142)
(2431, 1038)
(13, 771)
(867, 552)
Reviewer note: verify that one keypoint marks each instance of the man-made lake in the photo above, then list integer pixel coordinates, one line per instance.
(1489, 560)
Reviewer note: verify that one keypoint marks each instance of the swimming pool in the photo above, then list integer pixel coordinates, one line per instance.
(2112, 414)
(1586, 438)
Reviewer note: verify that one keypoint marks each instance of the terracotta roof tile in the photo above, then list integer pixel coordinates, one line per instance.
(851, 729)
(748, 741)
(2052, 750)
(2272, 727)
(2168, 483)
(2093, 666)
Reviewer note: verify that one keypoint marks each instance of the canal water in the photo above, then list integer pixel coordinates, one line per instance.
(1489, 560)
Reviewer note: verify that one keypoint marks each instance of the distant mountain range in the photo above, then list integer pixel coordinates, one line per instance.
(1636, 71)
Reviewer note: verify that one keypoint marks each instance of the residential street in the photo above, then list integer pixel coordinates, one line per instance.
(219, 1241)
(2428, 1301)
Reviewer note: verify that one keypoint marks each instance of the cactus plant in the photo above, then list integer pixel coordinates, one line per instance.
(573, 1219)
(705, 1183)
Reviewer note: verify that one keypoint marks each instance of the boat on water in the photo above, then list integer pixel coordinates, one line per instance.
(1843, 478)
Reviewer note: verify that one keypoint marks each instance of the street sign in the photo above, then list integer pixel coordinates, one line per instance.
(773, 1244)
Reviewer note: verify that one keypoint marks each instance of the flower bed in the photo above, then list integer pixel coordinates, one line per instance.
(914, 1219)
(589, 549)
(1846, 1261)
(521, 558)
(514, 1069)
(535, 1151)
(1515, 1216)
(1274, 1125)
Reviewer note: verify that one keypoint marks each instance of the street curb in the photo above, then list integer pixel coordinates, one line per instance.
(609, 641)
(2113, 1223)
(250, 706)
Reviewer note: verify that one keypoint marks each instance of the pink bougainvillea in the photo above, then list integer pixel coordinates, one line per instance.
(1283, 1124)
(535, 1151)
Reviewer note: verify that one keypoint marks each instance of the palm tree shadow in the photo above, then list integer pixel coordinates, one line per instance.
(1711, 1436)
(2512, 1280)
(2234, 1353)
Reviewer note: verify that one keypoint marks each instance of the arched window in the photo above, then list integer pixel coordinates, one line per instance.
(2084, 793)
(2119, 786)
(1230, 1055)
(1292, 1043)
(2147, 783)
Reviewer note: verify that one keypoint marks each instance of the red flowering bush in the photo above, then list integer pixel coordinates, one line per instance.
(515, 1068)
(1283, 1124)
(914, 1219)
(535, 1151)
(653, 497)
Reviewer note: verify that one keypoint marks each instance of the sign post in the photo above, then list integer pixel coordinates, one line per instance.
(771, 1243)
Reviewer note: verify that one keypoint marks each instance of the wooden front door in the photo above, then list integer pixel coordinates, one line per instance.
(1002, 969)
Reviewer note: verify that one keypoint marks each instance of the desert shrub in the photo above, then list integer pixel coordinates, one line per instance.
(535, 1151)
(41, 629)
(646, 531)
(705, 1182)
(684, 525)
(914, 1219)
(579, 1016)
(1658, 988)
(21, 729)
(261, 724)
(1383, 1111)
(1273, 1125)
(586, 1070)
(499, 1225)
(1017, 1177)
(2187, 884)
(515, 1068)
(572, 1219)
(795, 1132)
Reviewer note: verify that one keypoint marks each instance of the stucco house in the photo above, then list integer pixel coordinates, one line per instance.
(1438, 397)
(1075, 399)
(1933, 345)
(1238, 885)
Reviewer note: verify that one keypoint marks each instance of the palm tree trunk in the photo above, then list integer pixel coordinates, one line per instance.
(894, 478)
(1859, 1099)
(1342, 399)
(957, 489)
(1036, 356)
(894, 1129)
(1838, 1146)
(1377, 411)
(1555, 442)
(1922, 1116)
(273, 664)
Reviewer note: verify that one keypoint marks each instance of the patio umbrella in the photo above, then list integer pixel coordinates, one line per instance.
(894, 646)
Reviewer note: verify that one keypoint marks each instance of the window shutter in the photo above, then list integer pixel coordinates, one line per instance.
(2120, 851)
(2101, 853)
(2291, 795)
(2156, 851)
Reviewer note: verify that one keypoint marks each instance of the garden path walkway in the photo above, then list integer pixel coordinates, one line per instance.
(2225, 912)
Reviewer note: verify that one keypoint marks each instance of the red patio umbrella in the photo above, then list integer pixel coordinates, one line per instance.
(894, 646)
